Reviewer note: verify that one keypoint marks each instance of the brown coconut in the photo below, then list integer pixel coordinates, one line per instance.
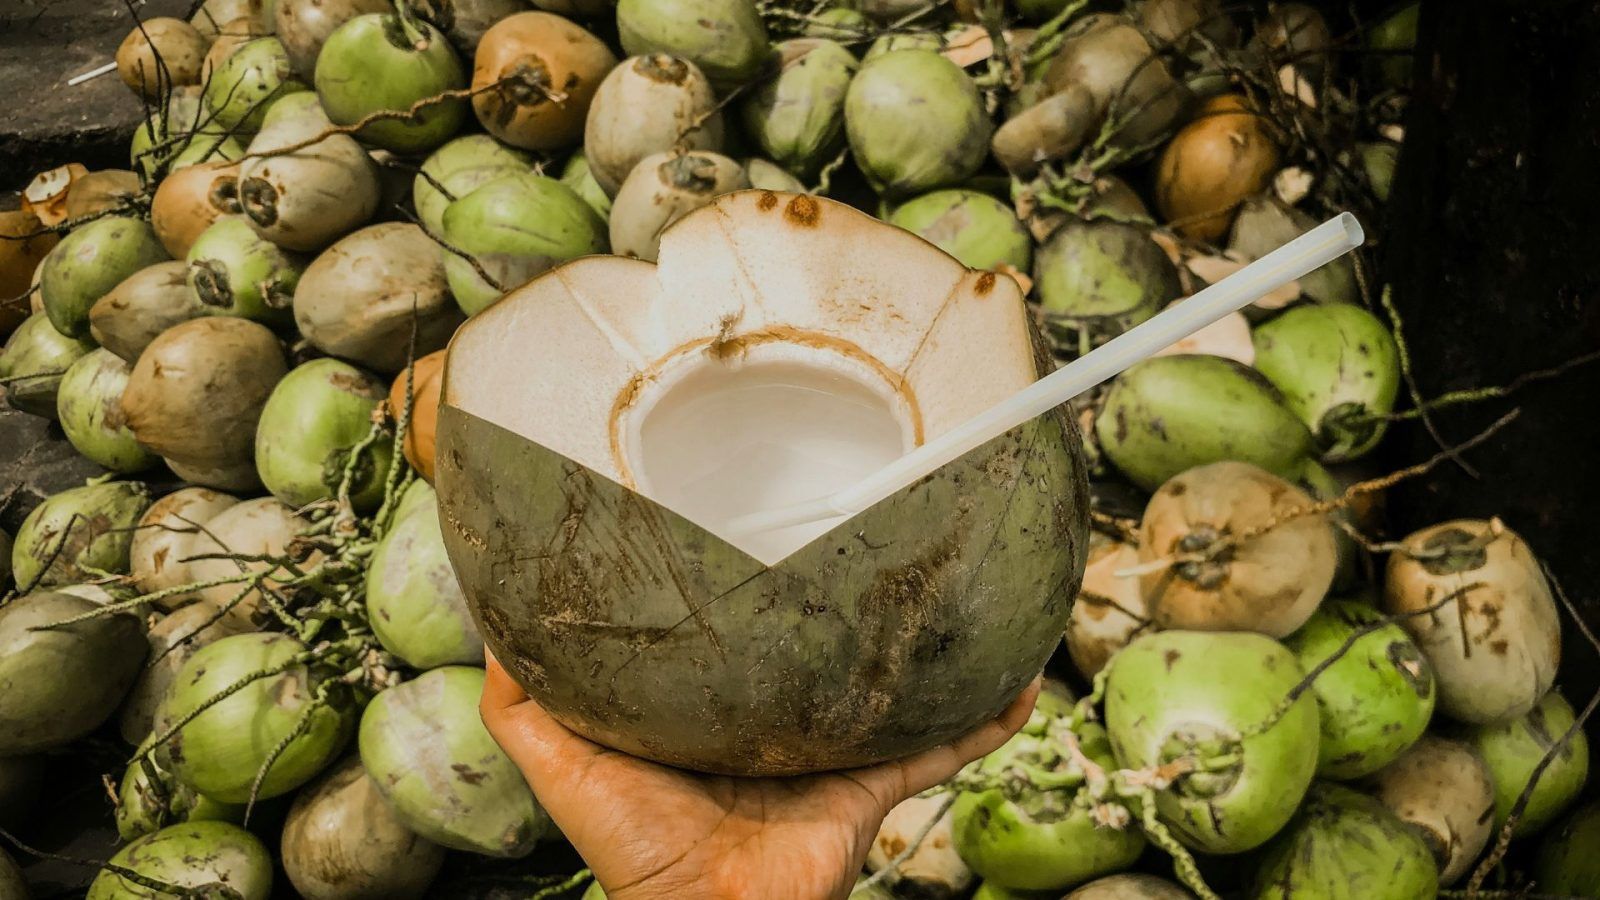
(20, 257)
(160, 54)
(1226, 154)
(191, 200)
(550, 68)
(304, 26)
(98, 192)
(1110, 611)
(262, 528)
(1106, 55)
(1045, 131)
(1443, 790)
(158, 556)
(342, 841)
(426, 379)
(141, 307)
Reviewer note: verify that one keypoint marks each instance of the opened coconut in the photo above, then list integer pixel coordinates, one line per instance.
(784, 347)
(23, 245)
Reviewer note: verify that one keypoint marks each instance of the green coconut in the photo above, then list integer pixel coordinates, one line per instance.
(35, 360)
(1338, 368)
(306, 199)
(1206, 696)
(664, 188)
(89, 407)
(305, 25)
(1172, 413)
(1345, 846)
(904, 40)
(315, 416)
(458, 167)
(976, 228)
(1443, 790)
(1390, 38)
(797, 118)
(726, 39)
(916, 122)
(178, 636)
(424, 744)
(420, 495)
(648, 105)
(235, 272)
(58, 685)
(1566, 862)
(414, 603)
(248, 82)
(1098, 278)
(182, 132)
(1375, 698)
(78, 534)
(1322, 484)
(212, 15)
(1513, 749)
(1378, 160)
(1128, 887)
(221, 752)
(383, 62)
(142, 306)
(150, 799)
(222, 858)
(576, 174)
(1265, 223)
(89, 263)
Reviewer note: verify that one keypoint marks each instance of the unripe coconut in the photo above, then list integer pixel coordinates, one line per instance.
(213, 15)
(220, 753)
(263, 527)
(414, 602)
(159, 54)
(419, 495)
(663, 189)
(160, 546)
(89, 407)
(1566, 862)
(35, 360)
(916, 122)
(797, 118)
(1338, 368)
(904, 40)
(78, 533)
(214, 856)
(1205, 695)
(58, 685)
(1512, 750)
(1494, 647)
(934, 869)
(172, 641)
(305, 25)
(1345, 846)
(196, 393)
(726, 39)
(976, 228)
(1375, 698)
(1129, 887)
(1130, 85)
(763, 175)
(386, 62)
(1050, 129)
(1294, 33)
(1098, 278)
(838, 23)
(148, 804)
(307, 199)
(239, 92)
(647, 105)
(465, 22)
(1378, 160)
(426, 377)
(367, 296)
(233, 271)
(1239, 558)
(458, 167)
(1265, 223)
(91, 261)
(235, 33)
(141, 307)
(1442, 789)
(515, 228)
(182, 133)
(1169, 414)
(1223, 156)
(188, 201)
(1110, 611)
(312, 420)
(426, 748)
(547, 69)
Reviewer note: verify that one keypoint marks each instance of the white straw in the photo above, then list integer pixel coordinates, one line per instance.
(76, 80)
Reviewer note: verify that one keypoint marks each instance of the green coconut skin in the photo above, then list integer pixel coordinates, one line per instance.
(1214, 686)
(220, 752)
(418, 496)
(149, 805)
(1345, 846)
(248, 82)
(1378, 159)
(1166, 415)
(577, 175)
(1100, 277)
(59, 685)
(235, 272)
(424, 744)
(1324, 485)
(1567, 862)
(1513, 749)
(195, 855)
(460, 166)
(516, 227)
(312, 419)
(34, 363)
(89, 407)
(726, 39)
(976, 228)
(1397, 32)
(183, 113)
(1375, 700)
(414, 603)
(916, 122)
(91, 261)
(1338, 368)
(903, 40)
(379, 62)
(797, 118)
(78, 533)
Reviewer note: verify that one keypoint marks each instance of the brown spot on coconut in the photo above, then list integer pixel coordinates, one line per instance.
(141, 307)
(162, 541)
(934, 870)
(665, 187)
(647, 105)
(307, 199)
(1110, 611)
(852, 334)
(159, 54)
(190, 200)
(172, 641)
(263, 527)
(1443, 790)
(548, 69)
(1223, 156)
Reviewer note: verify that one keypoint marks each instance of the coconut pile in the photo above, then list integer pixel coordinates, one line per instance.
(393, 297)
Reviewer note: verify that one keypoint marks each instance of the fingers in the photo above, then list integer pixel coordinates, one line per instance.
(540, 746)
(499, 691)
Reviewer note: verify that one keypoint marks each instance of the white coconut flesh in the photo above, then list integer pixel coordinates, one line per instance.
(784, 347)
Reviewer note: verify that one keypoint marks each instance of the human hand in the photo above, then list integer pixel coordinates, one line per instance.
(652, 831)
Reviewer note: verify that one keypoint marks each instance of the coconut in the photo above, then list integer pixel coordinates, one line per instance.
(383, 62)
(1098, 278)
(1566, 861)
(689, 371)
(88, 263)
(150, 799)
(159, 54)
(172, 641)
(424, 383)
(306, 199)
(797, 118)
(414, 602)
(78, 533)
(89, 407)
(664, 188)
(212, 16)
(1338, 368)
(377, 295)
(916, 122)
(241, 89)
(1048, 130)
(235, 33)
(215, 856)
(311, 422)
(976, 228)
(1345, 845)
(141, 307)
(766, 175)
(1185, 24)
(162, 540)
(574, 9)
(1443, 790)
(547, 70)
(221, 752)
(426, 749)
(458, 167)
(180, 134)
(1494, 647)
(196, 393)
(726, 39)
(1294, 33)
(1390, 38)
(1129, 887)
(305, 25)
(514, 228)
(1110, 610)
(1513, 749)
(1378, 160)
(933, 869)
(1205, 696)
(465, 22)
(260, 528)
(576, 174)
(648, 105)
(103, 191)
(35, 360)
(1265, 223)
(418, 495)
(1169, 414)
(1212, 165)
(910, 39)
(190, 200)
(23, 245)
(232, 271)
(1131, 88)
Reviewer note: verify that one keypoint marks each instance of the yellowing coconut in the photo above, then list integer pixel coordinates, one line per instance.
(23, 246)
(547, 70)
(160, 54)
(191, 200)
(1239, 561)
(1110, 611)
(1443, 790)
(1225, 155)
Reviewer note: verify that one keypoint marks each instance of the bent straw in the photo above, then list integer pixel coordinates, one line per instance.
(1315, 248)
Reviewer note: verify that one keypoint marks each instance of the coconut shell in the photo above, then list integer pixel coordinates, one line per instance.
(542, 55)
(19, 258)
(342, 841)
(194, 855)
(427, 377)
(172, 641)
(190, 200)
(159, 54)
(648, 105)
(141, 307)
(1443, 790)
(102, 191)
(1226, 154)
(158, 554)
